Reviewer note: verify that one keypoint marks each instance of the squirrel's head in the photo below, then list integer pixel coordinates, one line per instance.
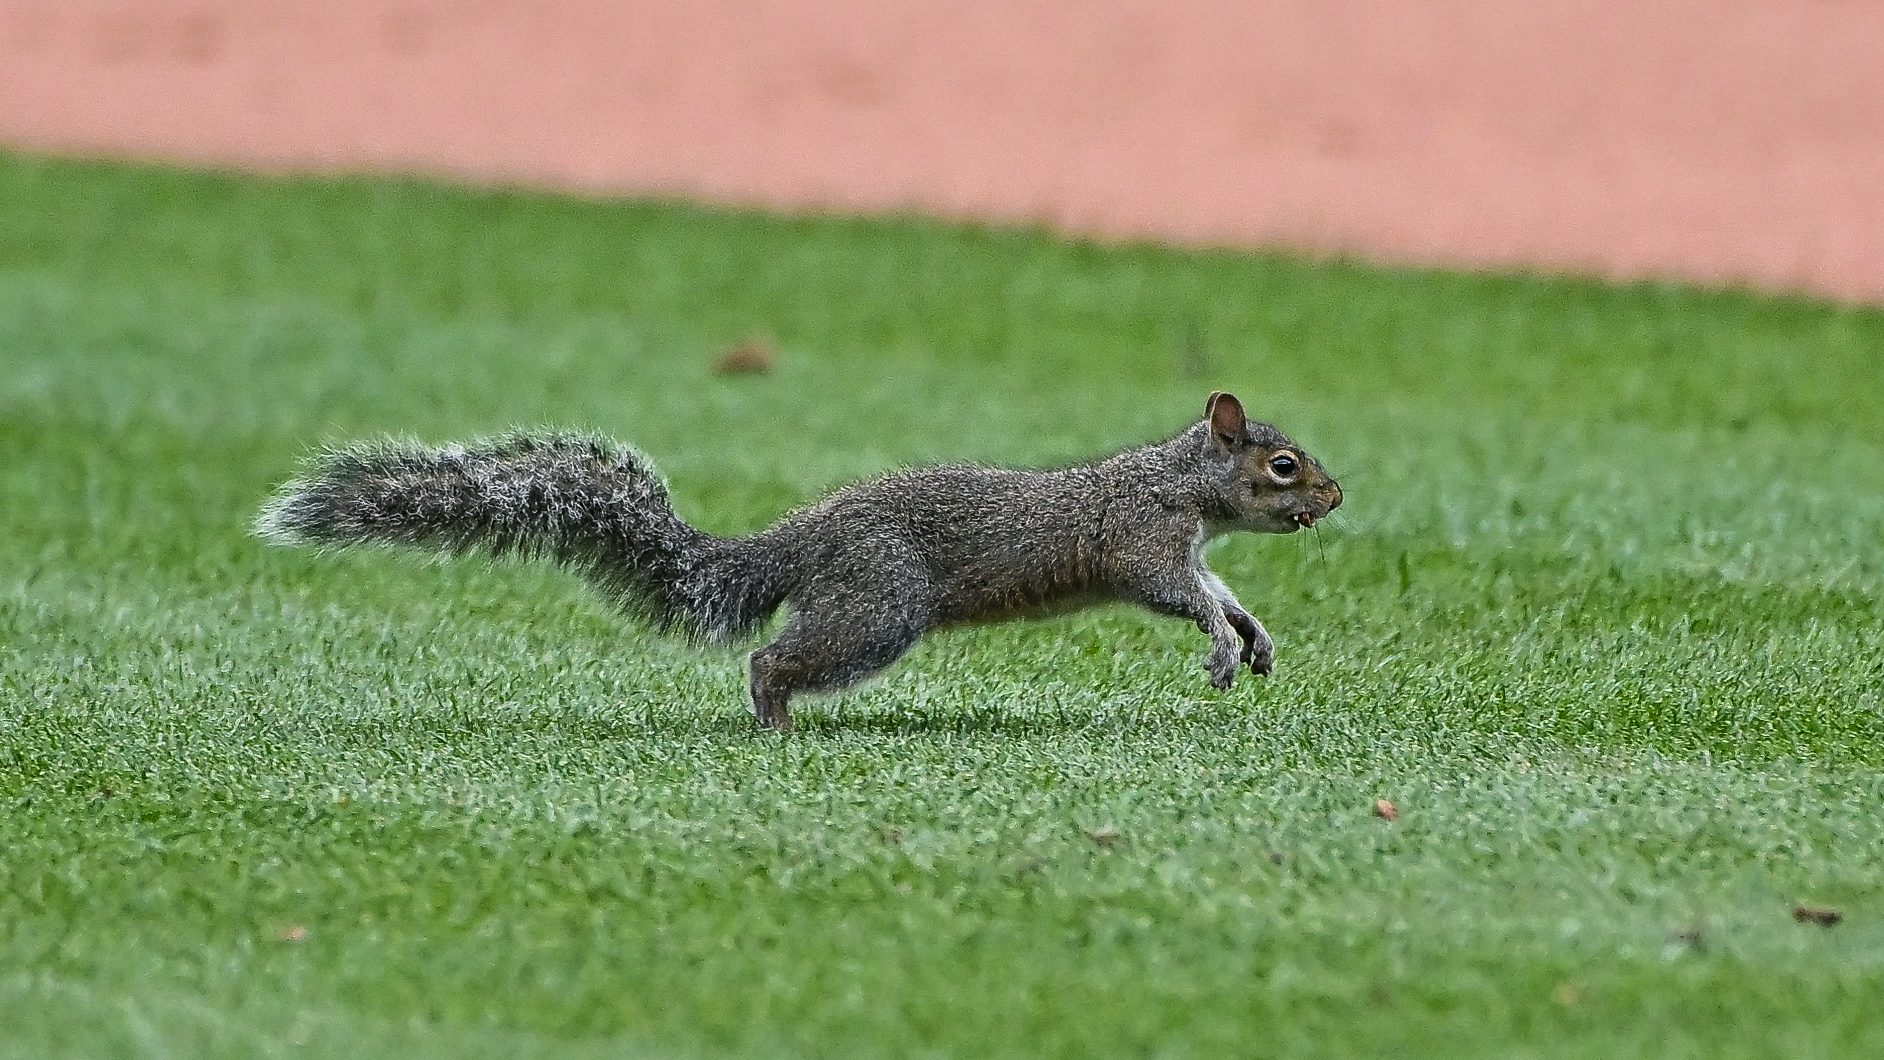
(1268, 484)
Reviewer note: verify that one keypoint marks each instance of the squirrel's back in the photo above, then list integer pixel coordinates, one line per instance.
(988, 542)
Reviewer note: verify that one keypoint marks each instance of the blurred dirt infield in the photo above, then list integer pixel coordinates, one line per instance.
(1740, 141)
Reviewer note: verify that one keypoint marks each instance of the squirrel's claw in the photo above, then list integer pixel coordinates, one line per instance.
(1260, 657)
(1223, 667)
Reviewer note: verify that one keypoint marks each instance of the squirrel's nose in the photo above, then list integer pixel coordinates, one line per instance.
(1336, 502)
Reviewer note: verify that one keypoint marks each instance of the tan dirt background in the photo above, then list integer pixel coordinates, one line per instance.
(1720, 140)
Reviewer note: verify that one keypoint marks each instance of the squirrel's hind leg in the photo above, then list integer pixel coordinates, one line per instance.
(831, 643)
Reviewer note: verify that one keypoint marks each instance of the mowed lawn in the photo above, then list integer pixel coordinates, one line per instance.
(1602, 617)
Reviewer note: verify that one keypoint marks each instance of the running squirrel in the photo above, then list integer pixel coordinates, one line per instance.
(868, 569)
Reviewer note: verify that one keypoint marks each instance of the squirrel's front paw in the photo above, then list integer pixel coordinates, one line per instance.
(1223, 667)
(1260, 655)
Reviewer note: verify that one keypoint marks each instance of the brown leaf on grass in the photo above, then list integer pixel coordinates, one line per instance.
(1105, 838)
(1386, 810)
(295, 933)
(1823, 916)
(1691, 939)
(750, 357)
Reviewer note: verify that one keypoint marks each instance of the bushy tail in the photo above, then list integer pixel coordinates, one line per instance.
(589, 504)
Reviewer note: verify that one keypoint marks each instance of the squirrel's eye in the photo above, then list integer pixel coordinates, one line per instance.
(1282, 464)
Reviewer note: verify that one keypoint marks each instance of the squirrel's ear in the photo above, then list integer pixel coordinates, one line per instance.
(1224, 413)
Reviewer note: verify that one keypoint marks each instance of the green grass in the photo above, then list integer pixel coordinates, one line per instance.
(1602, 617)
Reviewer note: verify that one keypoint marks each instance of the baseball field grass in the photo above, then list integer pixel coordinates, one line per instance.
(1602, 619)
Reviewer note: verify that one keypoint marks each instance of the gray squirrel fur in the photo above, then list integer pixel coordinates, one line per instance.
(868, 569)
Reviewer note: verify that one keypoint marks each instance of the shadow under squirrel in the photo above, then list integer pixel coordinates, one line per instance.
(868, 569)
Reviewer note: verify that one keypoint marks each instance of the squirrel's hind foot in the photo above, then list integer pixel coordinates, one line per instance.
(768, 707)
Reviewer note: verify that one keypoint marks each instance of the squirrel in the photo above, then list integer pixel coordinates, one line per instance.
(868, 569)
